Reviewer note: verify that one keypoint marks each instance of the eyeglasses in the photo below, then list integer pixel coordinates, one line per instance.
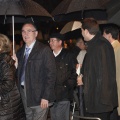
(28, 31)
(49, 41)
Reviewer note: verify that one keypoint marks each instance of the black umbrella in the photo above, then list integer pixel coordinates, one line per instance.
(22, 8)
(68, 6)
(79, 15)
(77, 9)
(113, 11)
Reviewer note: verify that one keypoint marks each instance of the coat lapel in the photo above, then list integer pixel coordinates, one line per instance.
(34, 50)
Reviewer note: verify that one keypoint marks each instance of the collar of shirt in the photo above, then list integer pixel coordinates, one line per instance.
(113, 42)
(31, 46)
(57, 53)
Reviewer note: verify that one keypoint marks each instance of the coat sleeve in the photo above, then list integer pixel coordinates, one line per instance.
(50, 73)
(7, 78)
(107, 75)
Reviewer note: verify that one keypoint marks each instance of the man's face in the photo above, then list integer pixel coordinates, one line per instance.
(54, 43)
(29, 33)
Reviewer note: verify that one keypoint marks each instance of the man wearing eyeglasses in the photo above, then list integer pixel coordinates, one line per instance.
(65, 78)
(36, 74)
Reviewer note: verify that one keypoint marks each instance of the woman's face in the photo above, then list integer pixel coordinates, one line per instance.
(81, 44)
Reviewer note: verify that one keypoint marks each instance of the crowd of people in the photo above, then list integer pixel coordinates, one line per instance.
(41, 78)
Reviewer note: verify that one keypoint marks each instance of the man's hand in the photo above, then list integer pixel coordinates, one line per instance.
(44, 103)
(79, 80)
(14, 57)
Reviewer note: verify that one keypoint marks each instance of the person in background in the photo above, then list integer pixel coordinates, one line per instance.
(81, 55)
(76, 49)
(36, 74)
(78, 91)
(11, 106)
(98, 73)
(111, 33)
(65, 80)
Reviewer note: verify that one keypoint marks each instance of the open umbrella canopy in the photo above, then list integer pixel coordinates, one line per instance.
(78, 9)
(115, 19)
(23, 8)
(68, 6)
(71, 26)
(79, 15)
(113, 11)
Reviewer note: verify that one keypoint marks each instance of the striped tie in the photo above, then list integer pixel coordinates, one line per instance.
(25, 61)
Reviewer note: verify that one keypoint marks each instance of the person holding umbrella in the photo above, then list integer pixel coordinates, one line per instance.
(36, 74)
(98, 73)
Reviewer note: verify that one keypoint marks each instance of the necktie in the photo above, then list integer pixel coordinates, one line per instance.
(24, 65)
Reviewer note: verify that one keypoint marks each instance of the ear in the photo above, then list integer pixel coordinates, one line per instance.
(60, 42)
(110, 36)
(36, 33)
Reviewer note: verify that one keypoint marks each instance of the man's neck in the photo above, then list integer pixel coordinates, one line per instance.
(111, 41)
(57, 51)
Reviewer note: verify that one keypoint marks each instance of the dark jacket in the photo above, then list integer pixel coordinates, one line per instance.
(40, 74)
(66, 76)
(11, 107)
(99, 76)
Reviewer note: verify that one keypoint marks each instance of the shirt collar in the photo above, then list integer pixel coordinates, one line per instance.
(31, 46)
(57, 53)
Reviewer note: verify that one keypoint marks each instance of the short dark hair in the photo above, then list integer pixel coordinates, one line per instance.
(33, 24)
(91, 25)
(112, 29)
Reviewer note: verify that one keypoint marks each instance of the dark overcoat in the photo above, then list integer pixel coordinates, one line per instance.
(11, 107)
(40, 74)
(99, 76)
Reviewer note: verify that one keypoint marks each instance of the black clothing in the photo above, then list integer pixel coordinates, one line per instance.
(99, 76)
(102, 116)
(75, 51)
(11, 107)
(66, 76)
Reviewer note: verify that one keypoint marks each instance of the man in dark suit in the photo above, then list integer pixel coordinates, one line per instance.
(36, 81)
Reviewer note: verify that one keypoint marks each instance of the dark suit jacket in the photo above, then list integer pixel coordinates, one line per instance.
(40, 74)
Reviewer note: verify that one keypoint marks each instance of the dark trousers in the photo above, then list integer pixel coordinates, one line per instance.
(102, 116)
(118, 117)
(114, 115)
(60, 111)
